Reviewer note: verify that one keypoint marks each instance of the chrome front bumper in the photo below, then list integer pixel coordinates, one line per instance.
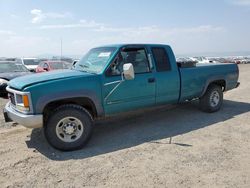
(29, 121)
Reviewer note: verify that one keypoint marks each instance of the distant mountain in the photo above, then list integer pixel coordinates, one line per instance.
(50, 56)
(46, 55)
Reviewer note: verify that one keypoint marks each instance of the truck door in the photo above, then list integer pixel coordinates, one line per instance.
(130, 94)
(167, 75)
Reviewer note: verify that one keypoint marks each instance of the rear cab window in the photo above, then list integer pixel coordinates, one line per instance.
(161, 59)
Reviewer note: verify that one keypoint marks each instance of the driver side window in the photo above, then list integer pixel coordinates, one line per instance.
(135, 56)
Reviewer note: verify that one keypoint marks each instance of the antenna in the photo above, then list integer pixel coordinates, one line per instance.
(61, 48)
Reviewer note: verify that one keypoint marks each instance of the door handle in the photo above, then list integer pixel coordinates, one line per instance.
(151, 80)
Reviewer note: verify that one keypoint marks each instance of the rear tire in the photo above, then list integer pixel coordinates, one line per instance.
(212, 100)
(69, 127)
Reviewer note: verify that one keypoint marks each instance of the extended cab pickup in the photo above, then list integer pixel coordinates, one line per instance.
(110, 80)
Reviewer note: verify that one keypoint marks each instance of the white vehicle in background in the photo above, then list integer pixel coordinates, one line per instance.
(242, 60)
(201, 59)
(246, 61)
(31, 63)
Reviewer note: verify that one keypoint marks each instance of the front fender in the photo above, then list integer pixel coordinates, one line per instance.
(46, 99)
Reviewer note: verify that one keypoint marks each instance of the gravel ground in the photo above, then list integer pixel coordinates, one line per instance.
(206, 150)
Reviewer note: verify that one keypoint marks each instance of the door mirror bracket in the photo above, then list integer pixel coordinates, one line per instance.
(127, 74)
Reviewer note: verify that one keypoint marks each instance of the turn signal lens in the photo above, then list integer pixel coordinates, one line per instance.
(26, 101)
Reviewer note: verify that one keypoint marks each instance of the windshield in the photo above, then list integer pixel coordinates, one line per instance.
(31, 61)
(95, 60)
(11, 67)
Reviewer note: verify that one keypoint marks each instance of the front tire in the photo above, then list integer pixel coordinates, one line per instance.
(69, 127)
(212, 100)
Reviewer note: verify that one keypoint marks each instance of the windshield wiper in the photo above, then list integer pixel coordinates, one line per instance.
(83, 66)
(84, 70)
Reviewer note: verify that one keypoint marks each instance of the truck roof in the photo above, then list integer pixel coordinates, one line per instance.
(131, 44)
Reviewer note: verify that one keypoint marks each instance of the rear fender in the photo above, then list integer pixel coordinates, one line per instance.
(211, 80)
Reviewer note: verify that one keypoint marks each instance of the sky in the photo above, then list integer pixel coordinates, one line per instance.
(33, 28)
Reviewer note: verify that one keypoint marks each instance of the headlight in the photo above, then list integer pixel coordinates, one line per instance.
(22, 103)
(20, 100)
(3, 81)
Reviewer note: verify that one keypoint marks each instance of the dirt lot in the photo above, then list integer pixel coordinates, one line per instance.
(207, 150)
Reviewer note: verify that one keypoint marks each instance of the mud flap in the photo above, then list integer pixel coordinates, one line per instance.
(6, 117)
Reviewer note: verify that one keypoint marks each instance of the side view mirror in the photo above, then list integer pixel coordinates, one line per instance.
(128, 71)
(74, 63)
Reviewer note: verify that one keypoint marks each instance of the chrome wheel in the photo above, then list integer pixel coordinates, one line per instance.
(214, 98)
(69, 129)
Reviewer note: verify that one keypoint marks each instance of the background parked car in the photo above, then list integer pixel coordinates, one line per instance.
(45, 66)
(31, 63)
(201, 59)
(15, 59)
(8, 71)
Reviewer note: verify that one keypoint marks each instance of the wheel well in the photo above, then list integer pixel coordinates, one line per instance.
(221, 83)
(85, 102)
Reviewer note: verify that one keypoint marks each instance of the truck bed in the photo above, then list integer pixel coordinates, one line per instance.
(194, 80)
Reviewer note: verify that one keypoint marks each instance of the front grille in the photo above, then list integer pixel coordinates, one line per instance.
(12, 98)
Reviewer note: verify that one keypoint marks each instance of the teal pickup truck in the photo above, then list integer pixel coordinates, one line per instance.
(110, 80)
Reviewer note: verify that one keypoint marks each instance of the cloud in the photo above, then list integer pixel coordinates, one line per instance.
(145, 29)
(97, 34)
(152, 29)
(6, 32)
(39, 16)
(80, 24)
(241, 2)
(94, 33)
(151, 33)
(195, 30)
(26, 45)
(180, 38)
(136, 31)
(101, 27)
(14, 16)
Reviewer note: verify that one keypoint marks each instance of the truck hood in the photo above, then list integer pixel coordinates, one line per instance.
(21, 82)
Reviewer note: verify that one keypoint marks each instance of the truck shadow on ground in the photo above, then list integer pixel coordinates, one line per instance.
(134, 129)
